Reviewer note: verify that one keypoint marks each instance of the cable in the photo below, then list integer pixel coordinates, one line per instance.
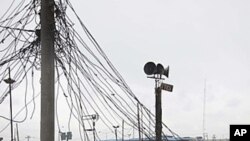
(93, 84)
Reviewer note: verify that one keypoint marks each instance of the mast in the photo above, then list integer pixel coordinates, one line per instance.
(204, 112)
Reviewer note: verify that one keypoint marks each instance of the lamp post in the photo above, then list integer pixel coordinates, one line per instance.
(115, 127)
(10, 81)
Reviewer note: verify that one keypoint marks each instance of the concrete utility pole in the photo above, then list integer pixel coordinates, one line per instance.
(47, 132)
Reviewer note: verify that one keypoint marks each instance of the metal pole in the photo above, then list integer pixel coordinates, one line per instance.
(139, 124)
(17, 132)
(94, 129)
(122, 130)
(115, 127)
(116, 134)
(204, 112)
(11, 120)
(47, 132)
(158, 114)
(10, 81)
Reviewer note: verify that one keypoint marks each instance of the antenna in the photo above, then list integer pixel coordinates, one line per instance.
(204, 112)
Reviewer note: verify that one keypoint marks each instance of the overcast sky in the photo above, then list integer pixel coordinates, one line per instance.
(199, 39)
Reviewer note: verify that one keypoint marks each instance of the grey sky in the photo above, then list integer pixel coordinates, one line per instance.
(198, 39)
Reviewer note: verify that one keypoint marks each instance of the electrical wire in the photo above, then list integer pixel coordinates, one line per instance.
(93, 84)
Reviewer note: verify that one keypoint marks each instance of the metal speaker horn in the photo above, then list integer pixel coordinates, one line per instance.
(166, 72)
(159, 69)
(150, 68)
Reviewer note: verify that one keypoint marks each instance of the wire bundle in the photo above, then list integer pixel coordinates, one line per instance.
(85, 76)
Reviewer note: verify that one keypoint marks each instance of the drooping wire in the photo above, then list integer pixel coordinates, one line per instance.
(93, 84)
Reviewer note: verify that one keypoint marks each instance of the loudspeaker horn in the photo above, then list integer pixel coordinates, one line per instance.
(159, 69)
(150, 68)
(166, 72)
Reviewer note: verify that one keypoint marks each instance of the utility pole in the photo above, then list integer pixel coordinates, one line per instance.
(47, 126)
(10, 81)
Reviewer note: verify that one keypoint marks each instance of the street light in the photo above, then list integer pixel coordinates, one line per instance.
(10, 81)
(115, 127)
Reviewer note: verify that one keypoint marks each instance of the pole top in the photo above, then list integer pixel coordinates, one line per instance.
(116, 126)
(9, 81)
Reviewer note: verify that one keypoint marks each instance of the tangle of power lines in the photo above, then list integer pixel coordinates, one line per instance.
(85, 77)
